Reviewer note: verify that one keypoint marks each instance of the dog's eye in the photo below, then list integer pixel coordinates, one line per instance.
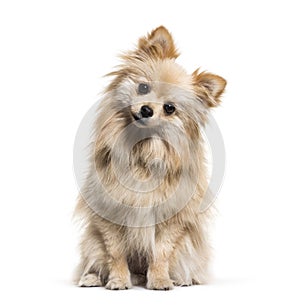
(169, 108)
(143, 89)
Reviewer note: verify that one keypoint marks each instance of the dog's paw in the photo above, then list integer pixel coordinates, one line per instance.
(118, 284)
(90, 280)
(160, 284)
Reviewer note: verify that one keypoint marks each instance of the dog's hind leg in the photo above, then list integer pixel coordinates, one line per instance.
(92, 270)
(189, 263)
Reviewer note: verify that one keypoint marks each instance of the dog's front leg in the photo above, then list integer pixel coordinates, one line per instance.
(119, 275)
(158, 277)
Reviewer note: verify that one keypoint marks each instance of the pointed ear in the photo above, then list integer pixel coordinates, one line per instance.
(159, 43)
(214, 85)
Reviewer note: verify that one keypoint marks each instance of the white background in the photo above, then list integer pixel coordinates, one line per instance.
(53, 55)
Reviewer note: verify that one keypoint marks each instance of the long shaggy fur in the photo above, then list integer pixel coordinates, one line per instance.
(141, 201)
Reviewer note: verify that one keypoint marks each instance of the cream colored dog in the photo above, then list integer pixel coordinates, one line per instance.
(141, 203)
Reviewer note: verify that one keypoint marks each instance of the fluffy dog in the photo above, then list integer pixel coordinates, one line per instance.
(141, 203)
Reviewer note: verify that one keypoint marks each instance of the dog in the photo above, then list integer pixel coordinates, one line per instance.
(141, 202)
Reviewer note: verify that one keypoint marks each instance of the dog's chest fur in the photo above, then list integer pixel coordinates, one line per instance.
(140, 240)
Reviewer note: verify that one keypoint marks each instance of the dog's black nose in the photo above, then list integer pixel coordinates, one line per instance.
(146, 111)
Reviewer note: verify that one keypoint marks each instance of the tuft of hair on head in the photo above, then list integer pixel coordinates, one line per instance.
(212, 86)
(159, 44)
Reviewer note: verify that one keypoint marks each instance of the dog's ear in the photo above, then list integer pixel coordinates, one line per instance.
(212, 84)
(159, 43)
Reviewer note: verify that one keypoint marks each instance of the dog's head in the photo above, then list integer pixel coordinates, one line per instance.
(151, 90)
(154, 109)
